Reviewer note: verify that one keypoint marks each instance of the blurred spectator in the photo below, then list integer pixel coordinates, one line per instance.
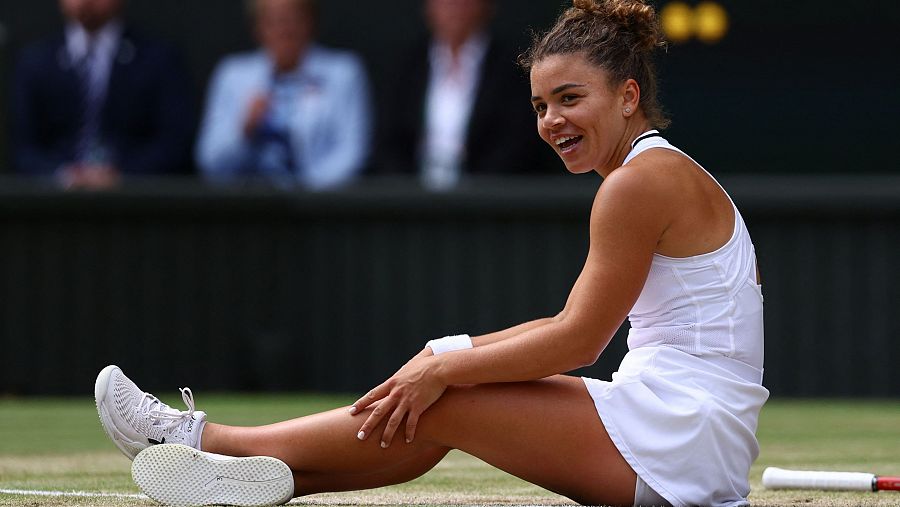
(291, 112)
(100, 101)
(462, 105)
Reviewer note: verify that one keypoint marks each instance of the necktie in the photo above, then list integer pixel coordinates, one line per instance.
(88, 146)
(276, 152)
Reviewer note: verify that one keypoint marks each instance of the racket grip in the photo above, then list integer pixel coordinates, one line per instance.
(887, 484)
(778, 478)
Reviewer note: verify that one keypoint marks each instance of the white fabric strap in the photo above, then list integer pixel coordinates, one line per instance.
(450, 343)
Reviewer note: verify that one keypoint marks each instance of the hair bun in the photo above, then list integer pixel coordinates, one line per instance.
(633, 16)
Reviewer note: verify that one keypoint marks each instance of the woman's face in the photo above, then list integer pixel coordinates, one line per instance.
(578, 114)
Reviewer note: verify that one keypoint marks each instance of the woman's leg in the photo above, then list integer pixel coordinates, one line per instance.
(546, 432)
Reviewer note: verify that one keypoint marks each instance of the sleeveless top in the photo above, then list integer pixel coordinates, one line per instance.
(683, 407)
(704, 305)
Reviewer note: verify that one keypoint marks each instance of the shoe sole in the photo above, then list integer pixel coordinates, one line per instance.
(175, 474)
(128, 447)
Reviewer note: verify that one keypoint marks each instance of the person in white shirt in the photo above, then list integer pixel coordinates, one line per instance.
(459, 111)
(668, 250)
(292, 113)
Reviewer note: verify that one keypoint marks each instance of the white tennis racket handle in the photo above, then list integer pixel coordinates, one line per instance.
(778, 478)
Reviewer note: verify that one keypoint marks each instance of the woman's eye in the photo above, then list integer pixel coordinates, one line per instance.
(568, 98)
(540, 108)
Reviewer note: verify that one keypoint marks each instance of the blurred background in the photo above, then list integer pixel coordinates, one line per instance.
(257, 284)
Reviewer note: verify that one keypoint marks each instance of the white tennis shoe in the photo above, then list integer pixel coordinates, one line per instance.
(135, 419)
(178, 475)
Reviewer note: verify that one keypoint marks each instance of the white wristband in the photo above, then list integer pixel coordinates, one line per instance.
(450, 343)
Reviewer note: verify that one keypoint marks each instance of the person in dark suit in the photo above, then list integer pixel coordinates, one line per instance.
(100, 101)
(462, 105)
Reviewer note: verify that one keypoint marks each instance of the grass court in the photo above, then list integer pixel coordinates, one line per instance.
(56, 444)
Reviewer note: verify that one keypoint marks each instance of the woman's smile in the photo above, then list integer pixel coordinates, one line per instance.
(567, 144)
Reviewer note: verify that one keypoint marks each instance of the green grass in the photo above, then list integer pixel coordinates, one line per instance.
(57, 444)
(843, 435)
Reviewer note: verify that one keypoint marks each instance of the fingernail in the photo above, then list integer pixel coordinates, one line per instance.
(384, 445)
(352, 409)
(361, 435)
(408, 440)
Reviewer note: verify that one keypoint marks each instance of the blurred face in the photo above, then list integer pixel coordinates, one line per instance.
(91, 14)
(453, 21)
(578, 113)
(284, 30)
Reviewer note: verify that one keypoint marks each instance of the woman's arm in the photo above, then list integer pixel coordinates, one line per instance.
(486, 339)
(629, 215)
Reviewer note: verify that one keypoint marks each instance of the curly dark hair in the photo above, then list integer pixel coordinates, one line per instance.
(620, 36)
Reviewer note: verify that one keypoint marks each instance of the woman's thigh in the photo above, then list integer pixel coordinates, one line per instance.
(547, 432)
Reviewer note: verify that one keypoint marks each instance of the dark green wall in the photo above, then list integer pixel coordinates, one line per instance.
(257, 289)
(802, 86)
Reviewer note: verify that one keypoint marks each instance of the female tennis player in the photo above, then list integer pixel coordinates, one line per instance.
(668, 249)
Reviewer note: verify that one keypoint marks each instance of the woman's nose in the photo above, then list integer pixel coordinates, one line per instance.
(552, 119)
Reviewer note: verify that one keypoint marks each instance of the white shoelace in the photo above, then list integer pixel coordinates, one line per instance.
(163, 412)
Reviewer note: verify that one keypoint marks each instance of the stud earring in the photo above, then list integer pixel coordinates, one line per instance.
(627, 110)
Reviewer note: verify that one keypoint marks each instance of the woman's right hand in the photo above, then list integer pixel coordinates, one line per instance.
(405, 396)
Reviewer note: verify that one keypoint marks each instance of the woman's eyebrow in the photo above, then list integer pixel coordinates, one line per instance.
(558, 89)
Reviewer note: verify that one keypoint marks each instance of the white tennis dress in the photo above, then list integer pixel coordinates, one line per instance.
(683, 407)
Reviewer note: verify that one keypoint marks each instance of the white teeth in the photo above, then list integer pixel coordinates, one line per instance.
(564, 139)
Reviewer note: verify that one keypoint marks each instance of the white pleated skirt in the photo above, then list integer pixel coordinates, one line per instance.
(686, 424)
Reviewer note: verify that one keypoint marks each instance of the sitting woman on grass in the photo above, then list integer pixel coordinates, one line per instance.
(668, 249)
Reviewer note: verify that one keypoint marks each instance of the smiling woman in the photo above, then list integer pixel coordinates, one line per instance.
(594, 54)
(668, 249)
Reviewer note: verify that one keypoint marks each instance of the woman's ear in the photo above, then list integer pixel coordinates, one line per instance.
(631, 97)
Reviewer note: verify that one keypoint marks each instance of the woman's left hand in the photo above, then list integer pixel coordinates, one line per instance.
(408, 393)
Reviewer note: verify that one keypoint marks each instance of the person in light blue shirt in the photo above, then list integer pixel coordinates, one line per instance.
(293, 113)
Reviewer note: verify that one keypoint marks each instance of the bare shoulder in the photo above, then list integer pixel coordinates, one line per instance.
(697, 215)
(648, 185)
(665, 167)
